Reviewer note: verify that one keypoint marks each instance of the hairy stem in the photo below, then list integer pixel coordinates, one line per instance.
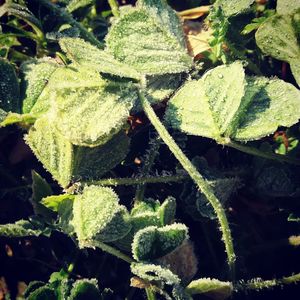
(258, 284)
(150, 294)
(67, 18)
(113, 251)
(114, 7)
(148, 163)
(202, 184)
(137, 180)
(257, 152)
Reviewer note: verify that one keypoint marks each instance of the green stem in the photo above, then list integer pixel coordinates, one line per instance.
(257, 152)
(113, 251)
(202, 184)
(67, 18)
(148, 163)
(114, 7)
(137, 180)
(150, 294)
(259, 284)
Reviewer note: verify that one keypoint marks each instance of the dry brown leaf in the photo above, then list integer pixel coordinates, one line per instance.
(194, 13)
(197, 37)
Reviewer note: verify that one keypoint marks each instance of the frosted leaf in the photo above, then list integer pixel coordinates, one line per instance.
(44, 292)
(154, 242)
(9, 89)
(52, 149)
(85, 54)
(167, 211)
(92, 163)
(277, 37)
(234, 7)
(85, 289)
(35, 75)
(275, 103)
(151, 272)
(140, 40)
(97, 215)
(287, 7)
(21, 228)
(224, 104)
(165, 16)
(75, 4)
(89, 110)
(211, 287)
(207, 107)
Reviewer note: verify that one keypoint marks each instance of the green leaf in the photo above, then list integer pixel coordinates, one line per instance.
(35, 75)
(165, 16)
(287, 7)
(142, 40)
(85, 289)
(9, 88)
(43, 293)
(98, 215)
(52, 149)
(225, 104)
(277, 37)
(154, 242)
(85, 54)
(151, 272)
(92, 163)
(273, 103)
(213, 288)
(234, 7)
(32, 286)
(40, 189)
(167, 211)
(14, 118)
(75, 4)
(21, 228)
(88, 109)
(53, 202)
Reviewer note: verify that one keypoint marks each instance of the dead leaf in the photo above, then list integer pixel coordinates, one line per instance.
(194, 13)
(198, 36)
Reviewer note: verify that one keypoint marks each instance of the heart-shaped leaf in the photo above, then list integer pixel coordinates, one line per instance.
(277, 37)
(149, 39)
(97, 215)
(225, 104)
(89, 110)
(154, 242)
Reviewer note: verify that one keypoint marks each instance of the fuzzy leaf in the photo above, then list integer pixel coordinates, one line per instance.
(21, 228)
(165, 16)
(52, 149)
(154, 242)
(273, 103)
(92, 163)
(85, 54)
(142, 40)
(75, 4)
(9, 88)
(151, 272)
(207, 107)
(277, 37)
(43, 293)
(213, 288)
(32, 286)
(234, 7)
(35, 75)
(88, 109)
(222, 104)
(287, 7)
(98, 215)
(167, 211)
(85, 289)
